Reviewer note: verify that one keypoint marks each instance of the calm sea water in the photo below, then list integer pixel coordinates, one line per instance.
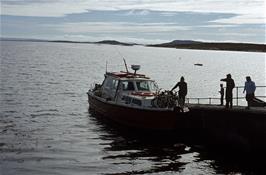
(45, 126)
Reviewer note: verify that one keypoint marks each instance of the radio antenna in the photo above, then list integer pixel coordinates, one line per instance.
(125, 64)
(106, 66)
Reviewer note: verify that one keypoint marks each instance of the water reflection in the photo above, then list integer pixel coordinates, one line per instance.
(135, 154)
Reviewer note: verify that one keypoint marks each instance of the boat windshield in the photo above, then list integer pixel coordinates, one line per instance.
(146, 86)
(128, 86)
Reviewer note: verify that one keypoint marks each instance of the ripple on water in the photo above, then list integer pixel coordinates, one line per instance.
(23, 73)
(52, 82)
(10, 112)
(48, 112)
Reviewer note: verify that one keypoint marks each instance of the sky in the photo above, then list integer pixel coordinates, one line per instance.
(139, 21)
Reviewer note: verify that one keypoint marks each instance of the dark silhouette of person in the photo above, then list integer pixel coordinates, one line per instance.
(182, 90)
(250, 88)
(222, 94)
(230, 84)
(130, 86)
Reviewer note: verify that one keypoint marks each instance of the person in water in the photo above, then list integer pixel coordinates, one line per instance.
(182, 90)
(230, 85)
(250, 88)
(222, 94)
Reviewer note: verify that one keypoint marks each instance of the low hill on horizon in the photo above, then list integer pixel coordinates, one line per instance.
(114, 42)
(178, 44)
(190, 44)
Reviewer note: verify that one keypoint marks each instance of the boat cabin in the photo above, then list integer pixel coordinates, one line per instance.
(128, 88)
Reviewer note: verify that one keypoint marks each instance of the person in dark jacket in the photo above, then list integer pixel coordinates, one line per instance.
(222, 94)
(230, 84)
(182, 90)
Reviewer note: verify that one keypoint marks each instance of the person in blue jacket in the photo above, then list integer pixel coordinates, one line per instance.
(250, 88)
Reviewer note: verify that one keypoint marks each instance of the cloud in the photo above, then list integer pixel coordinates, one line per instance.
(138, 12)
(253, 10)
(142, 19)
(242, 19)
(42, 8)
(117, 27)
(77, 37)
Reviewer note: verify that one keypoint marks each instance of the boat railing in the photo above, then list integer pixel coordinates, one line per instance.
(237, 97)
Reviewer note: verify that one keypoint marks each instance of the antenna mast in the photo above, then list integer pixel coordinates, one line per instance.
(125, 64)
(106, 67)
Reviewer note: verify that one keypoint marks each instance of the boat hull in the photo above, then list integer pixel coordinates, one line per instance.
(148, 119)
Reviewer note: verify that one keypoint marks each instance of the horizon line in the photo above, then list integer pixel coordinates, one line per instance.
(126, 42)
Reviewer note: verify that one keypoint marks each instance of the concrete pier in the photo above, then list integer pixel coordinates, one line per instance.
(237, 128)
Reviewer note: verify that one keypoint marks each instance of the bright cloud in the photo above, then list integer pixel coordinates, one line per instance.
(117, 27)
(254, 10)
(41, 8)
(77, 37)
(242, 19)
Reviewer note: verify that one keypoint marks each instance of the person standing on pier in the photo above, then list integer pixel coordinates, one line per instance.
(230, 84)
(250, 88)
(182, 91)
(222, 94)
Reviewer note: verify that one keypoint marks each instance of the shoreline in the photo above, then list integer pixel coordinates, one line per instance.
(241, 47)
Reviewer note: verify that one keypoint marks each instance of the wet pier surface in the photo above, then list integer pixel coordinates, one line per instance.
(238, 128)
(252, 110)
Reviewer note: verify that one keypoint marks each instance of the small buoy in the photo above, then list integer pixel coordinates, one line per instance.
(198, 64)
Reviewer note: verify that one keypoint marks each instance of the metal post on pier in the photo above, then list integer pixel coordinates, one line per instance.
(237, 96)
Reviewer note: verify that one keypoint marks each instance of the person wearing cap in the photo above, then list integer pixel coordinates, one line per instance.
(250, 88)
(230, 84)
(182, 90)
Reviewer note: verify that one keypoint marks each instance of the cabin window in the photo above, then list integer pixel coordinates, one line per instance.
(115, 84)
(153, 86)
(109, 87)
(127, 99)
(128, 86)
(108, 83)
(143, 85)
(136, 102)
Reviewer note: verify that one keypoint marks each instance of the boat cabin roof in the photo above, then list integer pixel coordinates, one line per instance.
(127, 75)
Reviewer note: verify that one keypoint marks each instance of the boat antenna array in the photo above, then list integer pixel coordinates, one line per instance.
(106, 66)
(135, 68)
(125, 64)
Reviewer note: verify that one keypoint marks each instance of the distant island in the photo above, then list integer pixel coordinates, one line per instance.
(188, 44)
(178, 44)
(111, 42)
